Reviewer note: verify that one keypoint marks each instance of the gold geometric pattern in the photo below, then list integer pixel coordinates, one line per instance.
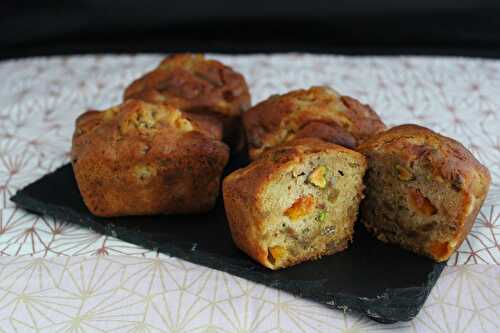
(58, 277)
(163, 294)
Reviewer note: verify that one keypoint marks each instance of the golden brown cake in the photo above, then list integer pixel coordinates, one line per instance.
(195, 84)
(316, 112)
(142, 159)
(298, 202)
(424, 190)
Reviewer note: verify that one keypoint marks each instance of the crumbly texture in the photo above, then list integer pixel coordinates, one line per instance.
(316, 112)
(194, 84)
(142, 159)
(298, 202)
(424, 190)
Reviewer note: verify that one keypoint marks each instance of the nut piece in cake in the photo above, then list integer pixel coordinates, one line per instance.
(297, 202)
(424, 190)
(318, 112)
(141, 159)
(197, 85)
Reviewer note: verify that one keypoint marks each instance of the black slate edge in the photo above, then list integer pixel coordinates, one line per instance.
(388, 305)
(384, 308)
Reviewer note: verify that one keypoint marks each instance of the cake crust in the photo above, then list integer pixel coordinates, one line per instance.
(194, 84)
(446, 186)
(143, 159)
(316, 112)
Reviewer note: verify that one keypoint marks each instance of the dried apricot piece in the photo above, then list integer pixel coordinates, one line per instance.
(418, 202)
(440, 249)
(275, 253)
(404, 174)
(303, 206)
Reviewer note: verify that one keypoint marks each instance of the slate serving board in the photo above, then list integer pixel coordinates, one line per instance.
(382, 281)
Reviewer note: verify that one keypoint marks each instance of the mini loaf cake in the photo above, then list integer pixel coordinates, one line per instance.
(424, 190)
(298, 202)
(316, 112)
(141, 159)
(194, 84)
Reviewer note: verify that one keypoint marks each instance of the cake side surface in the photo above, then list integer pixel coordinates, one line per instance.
(142, 159)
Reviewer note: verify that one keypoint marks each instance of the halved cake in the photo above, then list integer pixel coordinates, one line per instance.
(424, 190)
(298, 202)
(142, 159)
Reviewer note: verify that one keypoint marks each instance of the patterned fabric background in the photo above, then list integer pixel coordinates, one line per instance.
(116, 286)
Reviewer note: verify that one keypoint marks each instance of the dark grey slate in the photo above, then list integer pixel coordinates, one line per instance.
(382, 281)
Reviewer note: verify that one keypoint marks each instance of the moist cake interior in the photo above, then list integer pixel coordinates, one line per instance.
(406, 204)
(311, 208)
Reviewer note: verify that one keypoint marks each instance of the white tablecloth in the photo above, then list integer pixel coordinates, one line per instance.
(57, 277)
